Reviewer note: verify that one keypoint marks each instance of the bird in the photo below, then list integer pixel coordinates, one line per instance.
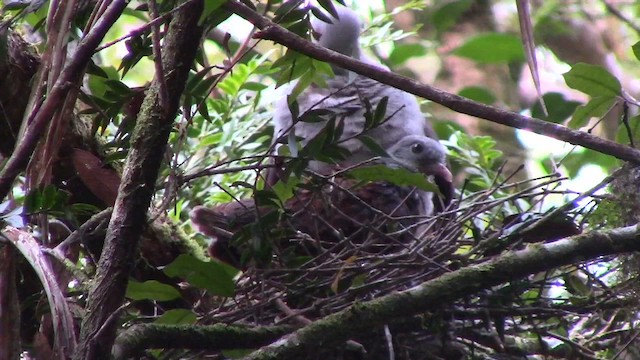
(348, 95)
(348, 100)
(339, 207)
(328, 212)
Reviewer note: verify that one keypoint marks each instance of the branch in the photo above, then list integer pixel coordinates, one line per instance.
(62, 319)
(212, 338)
(617, 13)
(276, 33)
(141, 169)
(39, 117)
(336, 328)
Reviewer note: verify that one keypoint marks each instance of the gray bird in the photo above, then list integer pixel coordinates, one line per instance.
(421, 154)
(346, 96)
(312, 211)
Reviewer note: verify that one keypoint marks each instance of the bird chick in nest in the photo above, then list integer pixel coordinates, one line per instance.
(419, 154)
(362, 214)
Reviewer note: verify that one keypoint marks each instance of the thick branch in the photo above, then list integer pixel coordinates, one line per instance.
(134, 195)
(338, 327)
(213, 338)
(276, 33)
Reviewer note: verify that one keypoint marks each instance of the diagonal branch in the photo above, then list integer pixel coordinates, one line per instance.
(276, 33)
(431, 295)
(426, 297)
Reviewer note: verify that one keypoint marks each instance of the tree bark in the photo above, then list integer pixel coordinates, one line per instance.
(138, 185)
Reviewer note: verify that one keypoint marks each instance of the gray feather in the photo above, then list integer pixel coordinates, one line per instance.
(345, 95)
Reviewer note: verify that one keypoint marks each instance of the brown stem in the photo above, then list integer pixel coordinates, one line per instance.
(38, 119)
(129, 216)
(274, 32)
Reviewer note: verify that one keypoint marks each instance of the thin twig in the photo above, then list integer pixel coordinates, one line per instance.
(271, 31)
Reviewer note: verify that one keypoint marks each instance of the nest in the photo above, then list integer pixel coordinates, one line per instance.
(471, 231)
(332, 280)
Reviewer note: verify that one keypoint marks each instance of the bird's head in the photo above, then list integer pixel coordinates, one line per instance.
(420, 154)
(341, 35)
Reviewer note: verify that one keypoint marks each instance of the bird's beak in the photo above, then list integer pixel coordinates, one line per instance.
(439, 170)
(444, 180)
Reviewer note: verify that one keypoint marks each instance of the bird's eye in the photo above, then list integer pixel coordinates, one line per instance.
(416, 148)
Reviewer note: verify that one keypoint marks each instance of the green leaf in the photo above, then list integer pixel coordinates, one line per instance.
(82, 210)
(372, 145)
(49, 197)
(292, 66)
(97, 83)
(444, 129)
(254, 86)
(447, 15)
(328, 5)
(299, 25)
(177, 317)
(230, 86)
(314, 146)
(286, 9)
(320, 146)
(209, 7)
(237, 80)
(137, 47)
(596, 107)
(575, 285)
(592, 80)
(118, 87)
(400, 177)
(636, 50)
(151, 290)
(479, 94)
(316, 115)
(236, 353)
(492, 48)
(33, 201)
(284, 62)
(303, 83)
(295, 166)
(381, 111)
(210, 140)
(96, 70)
(217, 278)
(199, 82)
(284, 190)
(294, 108)
(320, 15)
(558, 107)
(403, 52)
(368, 114)
(322, 67)
(632, 129)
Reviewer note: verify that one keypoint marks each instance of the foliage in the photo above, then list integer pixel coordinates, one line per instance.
(221, 141)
